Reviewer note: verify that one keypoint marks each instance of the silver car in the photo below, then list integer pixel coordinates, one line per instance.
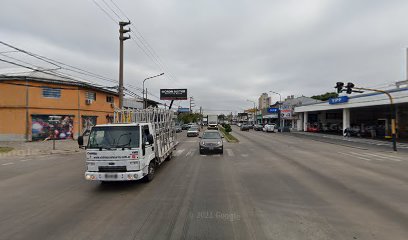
(211, 141)
(193, 132)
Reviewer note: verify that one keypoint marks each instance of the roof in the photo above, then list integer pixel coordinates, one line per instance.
(399, 95)
(49, 77)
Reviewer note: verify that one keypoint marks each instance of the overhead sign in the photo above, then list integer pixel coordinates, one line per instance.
(183, 110)
(273, 110)
(173, 94)
(337, 100)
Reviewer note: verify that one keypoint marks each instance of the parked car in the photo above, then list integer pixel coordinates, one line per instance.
(258, 127)
(193, 132)
(184, 127)
(244, 127)
(269, 128)
(239, 124)
(211, 141)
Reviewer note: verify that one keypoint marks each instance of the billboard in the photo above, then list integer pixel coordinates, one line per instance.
(46, 127)
(173, 94)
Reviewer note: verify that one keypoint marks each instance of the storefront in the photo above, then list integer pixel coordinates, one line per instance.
(365, 115)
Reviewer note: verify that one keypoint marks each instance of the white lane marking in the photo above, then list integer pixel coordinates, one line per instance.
(188, 153)
(9, 163)
(385, 157)
(351, 155)
(179, 152)
(191, 141)
(365, 155)
(230, 152)
(244, 155)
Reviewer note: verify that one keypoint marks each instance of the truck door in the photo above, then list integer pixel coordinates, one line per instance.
(149, 152)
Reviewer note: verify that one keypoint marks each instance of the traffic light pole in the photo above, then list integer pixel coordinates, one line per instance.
(393, 115)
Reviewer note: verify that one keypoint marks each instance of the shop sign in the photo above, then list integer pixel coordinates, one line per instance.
(337, 100)
(273, 110)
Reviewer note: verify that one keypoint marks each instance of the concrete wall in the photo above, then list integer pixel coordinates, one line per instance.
(14, 125)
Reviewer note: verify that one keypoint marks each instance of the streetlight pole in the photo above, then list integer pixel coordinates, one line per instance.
(254, 110)
(144, 99)
(280, 102)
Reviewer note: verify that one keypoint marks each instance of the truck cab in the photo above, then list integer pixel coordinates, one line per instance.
(118, 152)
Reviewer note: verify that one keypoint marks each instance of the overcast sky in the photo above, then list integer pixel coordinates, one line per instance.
(225, 51)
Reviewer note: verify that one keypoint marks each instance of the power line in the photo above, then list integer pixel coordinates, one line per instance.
(106, 13)
(120, 10)
(146, 48)
(110, 8)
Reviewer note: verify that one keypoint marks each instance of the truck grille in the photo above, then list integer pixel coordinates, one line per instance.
(112, 169)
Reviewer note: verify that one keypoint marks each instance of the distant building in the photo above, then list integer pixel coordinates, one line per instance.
(38, 106)
(264, 101)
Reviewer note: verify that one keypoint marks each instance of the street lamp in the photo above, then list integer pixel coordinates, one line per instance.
(280, 101)
(254, 110)
(144, 101)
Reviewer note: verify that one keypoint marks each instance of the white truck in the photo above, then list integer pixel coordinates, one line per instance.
(212, 121)
(132, 147)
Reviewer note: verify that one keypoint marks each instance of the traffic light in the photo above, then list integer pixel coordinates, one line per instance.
(349, 88)
(339, 86)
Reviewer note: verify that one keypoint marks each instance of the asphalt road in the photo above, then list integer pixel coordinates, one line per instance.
(268, 186)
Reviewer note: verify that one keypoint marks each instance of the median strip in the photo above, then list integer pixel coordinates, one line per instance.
(228, 136)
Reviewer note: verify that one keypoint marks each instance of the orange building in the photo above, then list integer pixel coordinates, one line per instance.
(38, 106)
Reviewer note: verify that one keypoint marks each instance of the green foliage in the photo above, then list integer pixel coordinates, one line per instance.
(326, 96)
(189, 117)
(227, 128)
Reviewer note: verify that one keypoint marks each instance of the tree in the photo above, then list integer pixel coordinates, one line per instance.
(189, 117)
(326, 96)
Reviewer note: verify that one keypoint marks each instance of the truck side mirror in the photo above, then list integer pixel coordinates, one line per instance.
(81, 141)
(143, 149)
(150, 139)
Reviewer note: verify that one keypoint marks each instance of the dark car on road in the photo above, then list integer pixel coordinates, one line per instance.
(258, 127)
(244, 127)
(211, 141)
(178, 128)
(184, 126)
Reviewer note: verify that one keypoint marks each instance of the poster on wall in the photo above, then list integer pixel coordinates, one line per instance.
(87, 123)
(47, 127)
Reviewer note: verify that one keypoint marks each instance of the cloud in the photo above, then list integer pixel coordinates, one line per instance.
(224, 52)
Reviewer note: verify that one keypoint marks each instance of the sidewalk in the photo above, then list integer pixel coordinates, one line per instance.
(348, 140)
(40, 148)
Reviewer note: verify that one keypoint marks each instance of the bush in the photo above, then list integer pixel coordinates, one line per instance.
(227, 128)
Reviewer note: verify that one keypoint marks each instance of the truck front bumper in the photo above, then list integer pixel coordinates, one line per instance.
(115, 176)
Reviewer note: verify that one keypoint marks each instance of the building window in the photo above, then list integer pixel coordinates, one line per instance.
(109, 99)
(91, 96)
(48, 92)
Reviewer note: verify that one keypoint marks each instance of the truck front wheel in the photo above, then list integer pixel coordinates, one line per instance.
(151, 171)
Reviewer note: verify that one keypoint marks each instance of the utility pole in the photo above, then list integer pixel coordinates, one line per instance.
(122, 38)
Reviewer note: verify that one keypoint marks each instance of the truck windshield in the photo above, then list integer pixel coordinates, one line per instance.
(114, 137)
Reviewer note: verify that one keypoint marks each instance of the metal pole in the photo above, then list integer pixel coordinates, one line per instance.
(144, 99)
(392, 109)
